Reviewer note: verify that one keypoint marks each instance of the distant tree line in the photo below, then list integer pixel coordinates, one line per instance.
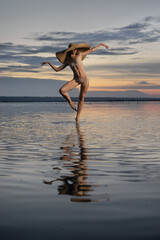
(87, 99)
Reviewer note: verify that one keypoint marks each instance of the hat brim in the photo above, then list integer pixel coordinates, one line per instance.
(62, 56)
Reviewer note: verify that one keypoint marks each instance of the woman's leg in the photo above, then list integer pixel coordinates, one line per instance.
(67, 87)
(83, 91)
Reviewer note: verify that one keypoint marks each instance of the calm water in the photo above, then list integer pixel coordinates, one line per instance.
(96, 180)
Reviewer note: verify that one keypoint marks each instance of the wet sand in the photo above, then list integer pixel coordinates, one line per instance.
(97, 180)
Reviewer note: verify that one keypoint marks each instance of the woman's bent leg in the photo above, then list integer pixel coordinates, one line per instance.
(67, 87)
(83, 91)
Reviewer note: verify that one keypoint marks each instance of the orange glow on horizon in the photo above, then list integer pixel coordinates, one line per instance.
(145, 91)
(152, 91)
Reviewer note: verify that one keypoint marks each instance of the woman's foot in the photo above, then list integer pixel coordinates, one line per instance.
(72, 104)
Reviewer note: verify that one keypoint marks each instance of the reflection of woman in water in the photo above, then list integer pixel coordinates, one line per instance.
(75, 157)
(73, 57)
(74, 184)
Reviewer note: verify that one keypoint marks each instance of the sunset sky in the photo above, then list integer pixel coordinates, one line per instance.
(33, 30)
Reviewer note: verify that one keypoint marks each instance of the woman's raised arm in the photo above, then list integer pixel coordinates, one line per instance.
(57, 69)
(94, 48)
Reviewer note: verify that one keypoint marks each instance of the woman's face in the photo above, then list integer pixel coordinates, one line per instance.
(74, 51)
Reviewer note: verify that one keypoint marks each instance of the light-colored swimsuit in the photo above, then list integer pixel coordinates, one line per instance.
(78, 70)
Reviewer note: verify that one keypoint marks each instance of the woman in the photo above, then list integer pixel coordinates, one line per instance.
(73, 57)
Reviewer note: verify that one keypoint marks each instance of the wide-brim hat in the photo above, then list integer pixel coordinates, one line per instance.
(81, 47)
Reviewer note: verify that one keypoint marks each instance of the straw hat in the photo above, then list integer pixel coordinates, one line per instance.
(81, 47)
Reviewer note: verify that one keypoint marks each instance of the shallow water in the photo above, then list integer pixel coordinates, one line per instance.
(96, 180)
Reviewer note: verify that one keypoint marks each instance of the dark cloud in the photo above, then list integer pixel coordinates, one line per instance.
(146, 40)
(133, 87)
(111, 52)
(89, 37)
(144, 83)
(138, 32)
(135, 26)
(121, 48)
(151, 19)
(36, 60)
(13, 49)
(55, 36)
(143, 69)
(20, 68)
(148, 19)
(24, 54)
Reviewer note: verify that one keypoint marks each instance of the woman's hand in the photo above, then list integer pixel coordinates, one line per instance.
(104, 45)
(44, 63)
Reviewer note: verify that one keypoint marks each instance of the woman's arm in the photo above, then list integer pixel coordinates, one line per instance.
(57, 69)
(93, 49)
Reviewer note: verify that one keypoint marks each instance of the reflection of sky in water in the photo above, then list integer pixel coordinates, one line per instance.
(112, 158)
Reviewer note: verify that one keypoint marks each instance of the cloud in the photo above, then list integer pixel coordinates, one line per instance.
(17, 50)
(19, 68)
(24, 54)
(143, 83)
(135, 26)
(112, 52)
(132, 87)
(138, 31)
(31, 60)
(130, 68)
(151, 19)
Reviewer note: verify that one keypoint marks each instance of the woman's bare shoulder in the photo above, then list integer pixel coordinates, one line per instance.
(79, 56)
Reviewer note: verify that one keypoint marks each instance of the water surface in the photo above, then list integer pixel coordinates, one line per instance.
(99, 179)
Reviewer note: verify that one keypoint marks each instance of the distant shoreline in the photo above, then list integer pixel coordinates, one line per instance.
(87, 99)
